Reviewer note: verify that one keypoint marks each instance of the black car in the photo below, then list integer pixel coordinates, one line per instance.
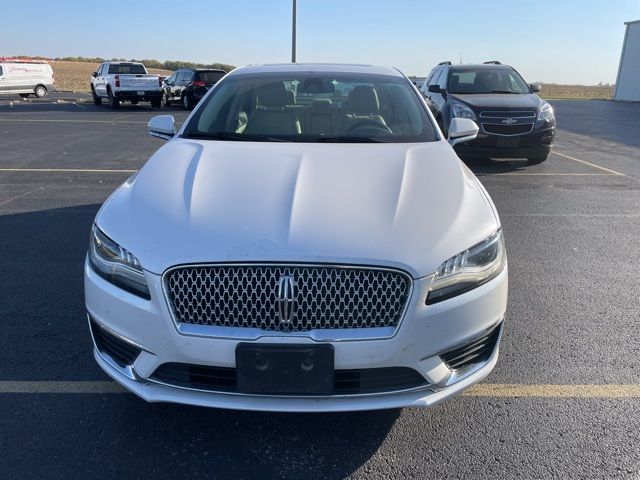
(514, 122)
(189, 85)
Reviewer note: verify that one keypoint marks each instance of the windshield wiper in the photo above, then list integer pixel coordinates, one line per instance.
(234, 137)
(351, 139)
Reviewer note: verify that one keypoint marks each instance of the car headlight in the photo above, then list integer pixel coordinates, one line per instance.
(546, 113)
(116, 264)
(469, 269)
(462, 111)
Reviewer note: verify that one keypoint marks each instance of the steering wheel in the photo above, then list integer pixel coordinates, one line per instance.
(367, 126)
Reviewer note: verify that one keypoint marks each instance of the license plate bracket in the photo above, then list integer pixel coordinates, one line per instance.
(285, 369)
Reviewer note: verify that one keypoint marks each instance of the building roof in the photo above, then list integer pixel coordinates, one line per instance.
(632, 22)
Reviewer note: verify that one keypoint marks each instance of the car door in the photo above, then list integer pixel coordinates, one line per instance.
(430, 97)
(439, 99)
(100, 84)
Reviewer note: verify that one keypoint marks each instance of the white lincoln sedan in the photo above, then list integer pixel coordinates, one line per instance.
(306, 241)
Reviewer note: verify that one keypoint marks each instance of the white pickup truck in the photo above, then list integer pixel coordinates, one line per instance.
(125, 81)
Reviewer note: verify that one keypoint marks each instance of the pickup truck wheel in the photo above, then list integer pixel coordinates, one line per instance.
(96, 99)
(113, 101)
(156, 103)
(40, 91)
(134, 102)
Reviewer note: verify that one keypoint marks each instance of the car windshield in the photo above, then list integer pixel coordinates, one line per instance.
(127, 68)
(210, 77)
(312, 107)
(485, 80)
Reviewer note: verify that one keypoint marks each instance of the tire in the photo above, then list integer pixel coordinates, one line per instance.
(187, 103)
(96, 99)
(165, 99)
(156, 103)
(537, 159)
(40, 91)
(114, 103)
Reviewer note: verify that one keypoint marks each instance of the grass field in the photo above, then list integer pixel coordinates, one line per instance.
(76, 76)
(551, 90)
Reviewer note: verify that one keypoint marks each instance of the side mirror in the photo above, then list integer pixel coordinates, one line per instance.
(435, 89)
(462, 130)
(162, 126)
(94, 74)
(535, 87)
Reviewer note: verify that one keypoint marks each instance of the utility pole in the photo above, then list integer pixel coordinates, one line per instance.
(293, 34)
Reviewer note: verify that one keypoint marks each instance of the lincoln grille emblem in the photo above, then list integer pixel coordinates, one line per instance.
(509, 121)
(286, 297)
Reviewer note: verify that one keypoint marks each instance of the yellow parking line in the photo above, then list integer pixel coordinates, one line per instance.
(64, 170)
(584, 162)
(479, 390)
(554, 391)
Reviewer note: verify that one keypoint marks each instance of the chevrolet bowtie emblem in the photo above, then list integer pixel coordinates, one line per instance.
(509, 121)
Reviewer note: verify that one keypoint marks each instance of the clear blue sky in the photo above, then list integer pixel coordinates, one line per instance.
(564, 41)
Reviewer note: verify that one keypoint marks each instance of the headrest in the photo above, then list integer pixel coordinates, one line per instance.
(363, 99)
(272, 95)
(321, 106)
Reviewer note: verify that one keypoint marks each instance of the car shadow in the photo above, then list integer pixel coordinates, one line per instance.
(489, 166)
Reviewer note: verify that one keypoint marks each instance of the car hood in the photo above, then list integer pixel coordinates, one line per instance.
(501, 101)
(409, 206)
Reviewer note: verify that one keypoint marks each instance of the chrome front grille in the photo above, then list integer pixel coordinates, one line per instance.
(506, 123)
(287, 298)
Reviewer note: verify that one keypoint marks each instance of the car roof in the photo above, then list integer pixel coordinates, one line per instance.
(317, 67)
(191, 69)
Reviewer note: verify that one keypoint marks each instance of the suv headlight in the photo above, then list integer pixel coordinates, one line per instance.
(462, 111)
(546, 113)
(469, 269)
(116, 264)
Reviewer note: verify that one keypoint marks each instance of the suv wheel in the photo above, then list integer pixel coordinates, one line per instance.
(40, 91)
(165, 99)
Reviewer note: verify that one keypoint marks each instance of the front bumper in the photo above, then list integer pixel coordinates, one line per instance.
(537, 143)
(424, 333)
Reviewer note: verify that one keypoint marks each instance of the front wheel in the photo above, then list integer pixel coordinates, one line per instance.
(165, 99)
(40, 91)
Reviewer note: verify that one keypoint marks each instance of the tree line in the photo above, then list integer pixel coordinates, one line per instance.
(150, 63)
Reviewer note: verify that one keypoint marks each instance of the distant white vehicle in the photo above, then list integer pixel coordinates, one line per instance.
(125, 81)
(25, 78)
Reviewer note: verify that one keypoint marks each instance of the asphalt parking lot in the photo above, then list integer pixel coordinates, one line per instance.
(563, 401)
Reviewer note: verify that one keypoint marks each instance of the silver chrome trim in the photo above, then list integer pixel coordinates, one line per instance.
(242, 333)
(128, 371)
(462, 373)
(508, 114)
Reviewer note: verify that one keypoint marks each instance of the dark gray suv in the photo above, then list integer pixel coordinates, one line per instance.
(514, 121)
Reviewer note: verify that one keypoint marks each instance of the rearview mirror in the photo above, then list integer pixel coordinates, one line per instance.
(435, 89)
(535, 87)
(162, 126)
(462, 130)
(94, 74)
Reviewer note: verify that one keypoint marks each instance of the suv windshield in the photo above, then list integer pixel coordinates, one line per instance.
(127, 68)
(486, 80)
(312, 107)
(210, 77)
